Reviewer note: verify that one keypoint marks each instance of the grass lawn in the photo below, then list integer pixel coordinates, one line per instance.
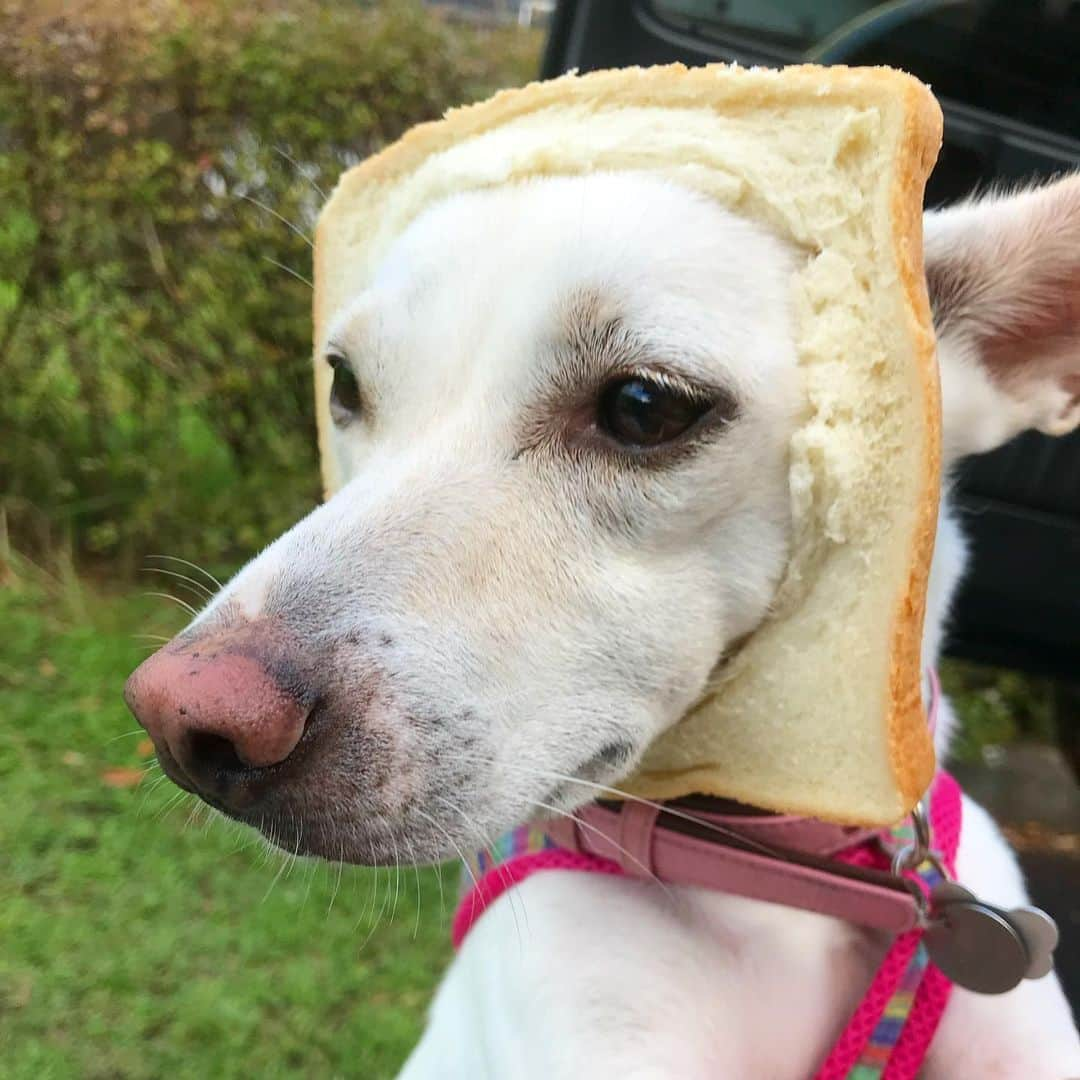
(144, 938)
(141, 939)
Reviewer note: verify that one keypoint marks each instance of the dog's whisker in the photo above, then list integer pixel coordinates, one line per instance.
(170, 805)
(464, 861)
(384, 906)
(442, 895)
(416, 874)
(275, 857)
(618, 793)
(369, 908)
(439, 877)
(160, 638)
(246, 839)
(197, 586)
(175, 599)
(368, 915)
(284, 220)
(449, 839)
(485, 842)
(340, 871)
(313, 867)
(515, 898)
(439, 866)
(194, 566)
(277, 877)
(194, 595)
(158, 780)
(290, 856)
(193, 814)
(153, 786)
(392, 883)
(397, 876)
(274, 851)
(266, 842)
(453, 843)
(160, 811)
(298, 828)
(289, 270)
(377, 919)
(241, 838)
(301, 171)
(592, 828)
(126, 735)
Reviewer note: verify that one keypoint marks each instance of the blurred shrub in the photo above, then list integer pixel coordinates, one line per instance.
(153, 347)
(996, 706)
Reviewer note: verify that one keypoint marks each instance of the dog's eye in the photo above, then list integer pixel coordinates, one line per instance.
(345, 400)
(642, 413)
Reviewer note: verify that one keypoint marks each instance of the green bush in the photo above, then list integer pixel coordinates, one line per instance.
(153, 347)
(995, 706)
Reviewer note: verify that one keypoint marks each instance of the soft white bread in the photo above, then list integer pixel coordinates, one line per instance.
(819, 711)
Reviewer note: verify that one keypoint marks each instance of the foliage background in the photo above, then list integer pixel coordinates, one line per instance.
(161, 161)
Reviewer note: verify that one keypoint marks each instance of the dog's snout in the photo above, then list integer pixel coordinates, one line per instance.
(218, 711)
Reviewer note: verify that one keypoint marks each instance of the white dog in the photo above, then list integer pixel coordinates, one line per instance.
(564, 409)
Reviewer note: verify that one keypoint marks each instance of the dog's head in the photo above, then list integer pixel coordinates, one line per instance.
(563, 409)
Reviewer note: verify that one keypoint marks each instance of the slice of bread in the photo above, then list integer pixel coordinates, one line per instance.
(819, 712)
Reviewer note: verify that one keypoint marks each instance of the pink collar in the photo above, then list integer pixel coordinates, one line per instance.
(796, 861)
(799, 862)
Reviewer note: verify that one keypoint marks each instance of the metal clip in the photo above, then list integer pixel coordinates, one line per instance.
(907, 859)
(910, 857)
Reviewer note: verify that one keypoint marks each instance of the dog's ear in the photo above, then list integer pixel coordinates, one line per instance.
(1004, 280)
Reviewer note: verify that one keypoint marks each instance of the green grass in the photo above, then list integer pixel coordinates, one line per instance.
(140, 941)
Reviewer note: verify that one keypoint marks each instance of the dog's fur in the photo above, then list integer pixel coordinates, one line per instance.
(502, 607)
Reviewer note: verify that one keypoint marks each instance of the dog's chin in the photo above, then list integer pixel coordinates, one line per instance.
(410, 837)
(359, 843)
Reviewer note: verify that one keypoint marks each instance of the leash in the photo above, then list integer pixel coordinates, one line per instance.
(901, 881)
(890, 1032)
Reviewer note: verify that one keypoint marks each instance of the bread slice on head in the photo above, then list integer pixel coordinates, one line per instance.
(820, 710)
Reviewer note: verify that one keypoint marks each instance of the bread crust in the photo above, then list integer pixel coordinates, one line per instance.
(666, 86)
(910, 749)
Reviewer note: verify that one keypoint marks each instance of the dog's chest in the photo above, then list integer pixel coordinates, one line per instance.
(712, 980)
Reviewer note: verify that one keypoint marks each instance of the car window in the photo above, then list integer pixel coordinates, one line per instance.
(1018, 58)
(792, 23)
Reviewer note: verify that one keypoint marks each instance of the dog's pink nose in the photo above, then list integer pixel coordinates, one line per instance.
(217, 710)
